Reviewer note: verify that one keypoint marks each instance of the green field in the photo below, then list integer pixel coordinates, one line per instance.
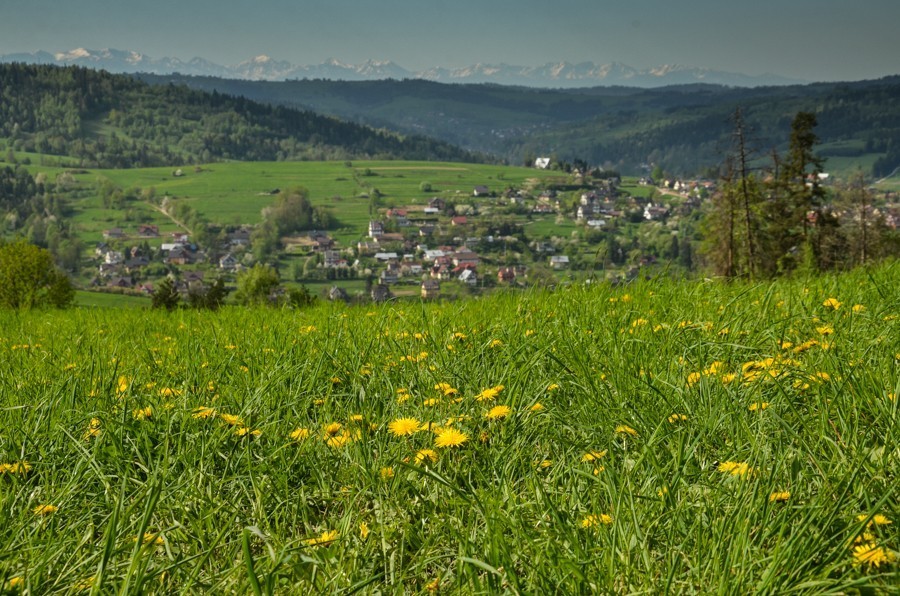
(655, 437)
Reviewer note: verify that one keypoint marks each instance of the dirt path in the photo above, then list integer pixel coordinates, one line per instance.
(175, 221)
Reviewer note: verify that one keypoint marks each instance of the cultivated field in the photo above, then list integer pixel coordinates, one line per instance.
(689, 437)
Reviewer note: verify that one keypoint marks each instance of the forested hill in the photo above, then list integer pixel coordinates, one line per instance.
(106, 120)
(684, 128)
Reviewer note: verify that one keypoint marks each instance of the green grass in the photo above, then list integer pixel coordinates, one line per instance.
(109, 300)
(103, 405)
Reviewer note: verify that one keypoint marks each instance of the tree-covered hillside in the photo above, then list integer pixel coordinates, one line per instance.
(107, 120)
(684, 128)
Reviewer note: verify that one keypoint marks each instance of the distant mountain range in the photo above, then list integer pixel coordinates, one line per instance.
(265, 68)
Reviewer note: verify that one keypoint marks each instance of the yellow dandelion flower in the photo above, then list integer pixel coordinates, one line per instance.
(858, 308)
(15, 582)
(204, 412)
(434, 585)
(495, 343)
(872, 555)
(142, 413)
(122, 385)
(243, 431)
(93, 429)
(423, 455)
(169, 392)
(693, 378)
(877, 519)
(593, 455)
(758, 406)
(85, 584)
(446, 389)
(42, 510)
(552, 387)
(832, 303)
(779, 496)
(338, 441)
(489, 394)
(537, 407)
(676, 418)
(825, 330)
(300, 433)
(595, 520)
(402, 427)
(598, 469)
(386, 473)
(323, 539)
(450, 437)
(529, 332)
(363, 530)
(544, 464)
(624, 429)
(19, 467)
(735, 468)
(332, 429)
(498, 412)
(232, 420)
(150, 538)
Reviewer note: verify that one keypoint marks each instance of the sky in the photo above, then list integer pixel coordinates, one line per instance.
(814, 40)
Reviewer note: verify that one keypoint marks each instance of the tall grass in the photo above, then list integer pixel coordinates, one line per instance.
(650, 430)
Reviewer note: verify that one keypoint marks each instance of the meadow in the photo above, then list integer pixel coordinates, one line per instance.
(657, 436)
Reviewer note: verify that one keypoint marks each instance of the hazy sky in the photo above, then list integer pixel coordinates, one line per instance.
(809, 39)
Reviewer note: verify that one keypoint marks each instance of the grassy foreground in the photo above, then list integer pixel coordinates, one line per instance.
(691, 437)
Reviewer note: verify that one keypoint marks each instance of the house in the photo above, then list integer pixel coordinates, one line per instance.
(469, 277)
(386, 256)
(441, 272)
(229, 262)
(181, 237)
(431, 211)
(113, 234)
(136, 263)
(119, 282)
(388, 277)
(481, 191)
(437, 203)
(459, 220)
(321, 242)
(148, 231)
(559, 262)
(178, 256)
(426, 230)
(193, 277)
(465, 257)
(542, 163)
(431, 288)
(398, 216)
(434, 254)
(381, 293)
(113, 257)
(367, 248)
(596, 223)
(376, 229)
(239, 237)
(333, 259)
(655, 212)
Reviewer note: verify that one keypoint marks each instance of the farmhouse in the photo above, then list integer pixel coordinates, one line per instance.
(431, 288)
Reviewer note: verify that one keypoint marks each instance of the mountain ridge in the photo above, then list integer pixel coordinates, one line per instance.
(266, 68)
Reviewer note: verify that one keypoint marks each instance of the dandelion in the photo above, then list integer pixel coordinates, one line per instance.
(495, 343)
(363, 530)
(758, 406)
(693, 378)
(386, 473)
(593, 455)
(877, 519)
(204, 412)
(300, 433)
(450, 437)
(544, 464)
(403, 427)
(498, 412)
(434, 585)
(332, 429)
(169, 392)
(323, 539)
(93, 429)
(42, 510)
(832, 303)
(490, 393)
(858, 308)
(779, 496)
(150, 538)
(676, 418)
(232, 420)
(529, 332)
(825, 330)
(552, 387)
(595, 520)
(423, 455)
(624, 429)
(735, 468)
(537, 407)
(243, 431)
(142, 413)
(871, 555)
(338, 441)
(446, 389)
(85, 584)
(20, 467)
(122, 385)
(15, 582)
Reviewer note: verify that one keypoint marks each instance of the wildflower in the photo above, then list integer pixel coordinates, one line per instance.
(425, 454)
(498, 412)
(624, 429)
(93, 429)
(151, 538)
(544, 464)
(825, 330)
(871, 555)
(402, 427)
(779, 496)
(450, 437)
(495, 343)
(169, 392)
(758, 406)
(552, 387)
(20, 467)
(529, 332)
(593, 455)
(336, 380)
(402, 395)
(332, 429)
(433, 585)
(598, 469)
(337, 441)
(42, 510)
(323, 539)
(537, 407)
(386, 473)
(594, 520)
(300, 433)
(858, 308)
(204, 412)
(142, 413)
(832, 303)
(232, 420)
(693, 378)
(85, 584)
(489, 394)
(446, 389)
(735, 468)
(363, 530)
(877, 519)
(676, 418)
(122, 385)
(243, 431)
(15, 582)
